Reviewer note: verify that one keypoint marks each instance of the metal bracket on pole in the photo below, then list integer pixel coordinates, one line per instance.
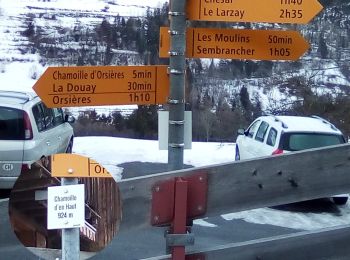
(175, 71)
(172, 32)
(176, 13)
(176, 202)
(177, 145)
(174, 122)
(179, 239)
(176, 53)
(175, 101)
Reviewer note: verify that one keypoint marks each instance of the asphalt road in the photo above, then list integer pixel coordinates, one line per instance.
(150, 242)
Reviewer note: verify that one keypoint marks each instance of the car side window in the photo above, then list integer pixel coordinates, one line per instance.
(271, 138)
(44, 117)
(48, 116)
(260, 135)
(39, 117)
(252, 129)
(58, 116)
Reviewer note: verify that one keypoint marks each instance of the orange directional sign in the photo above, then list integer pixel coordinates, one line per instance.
(105, 85)
(270, 11)
(238, 44)
(76, 166)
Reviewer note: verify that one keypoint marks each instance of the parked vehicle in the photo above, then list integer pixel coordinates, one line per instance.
(272, 135)
(29, 131)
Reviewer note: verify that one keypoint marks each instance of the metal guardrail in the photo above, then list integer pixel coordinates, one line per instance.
(238, 186)
(249, 184)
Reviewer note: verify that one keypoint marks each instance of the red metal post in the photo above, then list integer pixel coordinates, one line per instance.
(180, 216)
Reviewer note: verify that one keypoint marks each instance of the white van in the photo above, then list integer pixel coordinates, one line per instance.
(272, 135)
(29, 131)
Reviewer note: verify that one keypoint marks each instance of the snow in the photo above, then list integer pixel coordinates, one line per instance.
(121, 7)
(110, 152)
(295, 220)
(16, 76)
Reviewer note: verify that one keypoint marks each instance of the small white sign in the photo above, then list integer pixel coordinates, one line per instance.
(163, 129)
(65, 206)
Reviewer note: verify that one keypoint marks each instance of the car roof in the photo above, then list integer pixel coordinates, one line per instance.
(16, 97)
(301, 124)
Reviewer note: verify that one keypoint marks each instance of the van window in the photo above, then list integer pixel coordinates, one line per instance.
(252, 129)
(260, 135)
(301, 141)
(58, 116)
(44, 117)
(48, 116)
(11, 124)
(271, 138)
(39, 118)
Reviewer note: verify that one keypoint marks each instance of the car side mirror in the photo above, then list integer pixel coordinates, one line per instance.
(241, 131)
(69, 119)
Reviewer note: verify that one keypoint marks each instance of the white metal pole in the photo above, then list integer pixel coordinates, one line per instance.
(70, 236)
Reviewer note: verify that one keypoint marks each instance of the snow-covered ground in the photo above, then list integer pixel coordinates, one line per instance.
(110, 152)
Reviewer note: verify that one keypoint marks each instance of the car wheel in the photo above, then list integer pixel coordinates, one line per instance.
(237, 156)
(70, 146)
(340, 200)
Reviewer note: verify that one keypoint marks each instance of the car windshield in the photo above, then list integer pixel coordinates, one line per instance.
(301, 141)
(11, 124)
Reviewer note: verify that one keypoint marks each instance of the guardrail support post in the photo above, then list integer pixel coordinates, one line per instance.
(175, 203)
(180, 216)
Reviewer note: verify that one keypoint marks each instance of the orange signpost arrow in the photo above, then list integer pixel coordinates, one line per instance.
(270, 11)
(105, 85)
(239, 44)
(76, 166)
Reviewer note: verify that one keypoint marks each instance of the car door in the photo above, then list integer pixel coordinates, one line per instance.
(64, 130)
(272, 141)
(260, 148)
(47, 139)
(246, 142)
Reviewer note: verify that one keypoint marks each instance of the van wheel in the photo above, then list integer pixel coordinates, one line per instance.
(70, 146)
(340, 200)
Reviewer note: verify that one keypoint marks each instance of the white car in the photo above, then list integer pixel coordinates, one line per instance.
(29, 131)
(271, 135)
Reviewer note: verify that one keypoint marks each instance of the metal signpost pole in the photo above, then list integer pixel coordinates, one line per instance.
(70, 236)
(177, 83)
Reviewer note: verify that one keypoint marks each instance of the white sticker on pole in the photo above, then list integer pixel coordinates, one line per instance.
(65, 206)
